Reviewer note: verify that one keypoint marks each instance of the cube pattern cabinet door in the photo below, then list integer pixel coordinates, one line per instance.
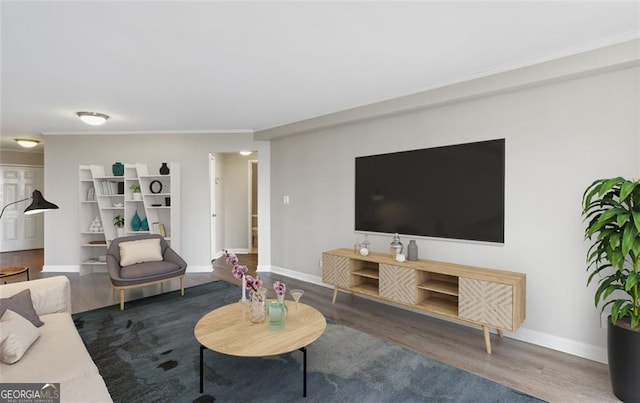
(336, 270)
(398, 284)
(486, 302)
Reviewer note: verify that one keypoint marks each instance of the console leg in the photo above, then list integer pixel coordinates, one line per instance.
(501, 333)
(201, 369)
(487, 340)
(335, 294)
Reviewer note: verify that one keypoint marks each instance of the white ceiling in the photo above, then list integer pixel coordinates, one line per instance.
(212, 66)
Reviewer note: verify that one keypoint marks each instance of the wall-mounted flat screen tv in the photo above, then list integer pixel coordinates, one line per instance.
(454, 192)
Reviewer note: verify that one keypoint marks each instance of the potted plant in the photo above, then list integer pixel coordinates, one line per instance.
(136, 191)
(118, 222)
(612, 209)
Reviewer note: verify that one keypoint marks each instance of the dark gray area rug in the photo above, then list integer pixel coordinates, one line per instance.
(148, 353)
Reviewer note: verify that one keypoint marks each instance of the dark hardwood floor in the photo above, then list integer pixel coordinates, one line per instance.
(538, 371)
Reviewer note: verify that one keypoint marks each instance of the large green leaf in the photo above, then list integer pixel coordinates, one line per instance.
(626, 189)
(591, 191)
(609, 184)
(617, 258)
(629, 236)
(632, 281)
(621, 219)
(614, 240)
(636, 218)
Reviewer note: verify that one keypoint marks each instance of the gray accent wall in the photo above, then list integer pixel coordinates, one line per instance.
(560, 136)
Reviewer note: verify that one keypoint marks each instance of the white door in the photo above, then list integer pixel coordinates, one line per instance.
(19, 231)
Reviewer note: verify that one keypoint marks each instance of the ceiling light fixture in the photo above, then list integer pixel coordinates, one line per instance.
(27, 143)
(245, 153)
(93, 118)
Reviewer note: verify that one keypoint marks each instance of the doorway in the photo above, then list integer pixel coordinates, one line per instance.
(253, 206)
(233, 185)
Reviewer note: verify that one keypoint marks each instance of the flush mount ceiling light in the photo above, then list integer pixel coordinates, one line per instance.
(93, 118)
(245, 153)
(27, 143)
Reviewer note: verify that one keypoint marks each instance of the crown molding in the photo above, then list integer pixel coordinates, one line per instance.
(609, 58)
(153, 132)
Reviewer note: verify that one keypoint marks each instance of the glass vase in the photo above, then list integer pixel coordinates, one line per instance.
(258, 305)
(277, 315)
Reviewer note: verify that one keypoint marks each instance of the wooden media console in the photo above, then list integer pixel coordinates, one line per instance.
(485, 297)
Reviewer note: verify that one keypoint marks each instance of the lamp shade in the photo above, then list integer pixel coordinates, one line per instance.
(39, 204)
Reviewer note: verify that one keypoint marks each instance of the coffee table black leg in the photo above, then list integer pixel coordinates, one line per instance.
(202, 369)
(304, 371)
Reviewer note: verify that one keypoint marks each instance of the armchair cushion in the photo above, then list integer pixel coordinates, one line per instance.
(148, 270)
(140, 251)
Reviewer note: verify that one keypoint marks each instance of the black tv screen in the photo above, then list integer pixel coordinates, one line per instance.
(452, 192)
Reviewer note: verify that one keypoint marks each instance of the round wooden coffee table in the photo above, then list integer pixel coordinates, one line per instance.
(13, 271)
(223, 330)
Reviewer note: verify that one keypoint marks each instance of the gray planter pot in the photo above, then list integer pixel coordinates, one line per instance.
(623, 346)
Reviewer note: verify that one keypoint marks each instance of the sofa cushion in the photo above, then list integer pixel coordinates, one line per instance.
(21, 304)
(140, 251)
(59, 343)
(17, 334)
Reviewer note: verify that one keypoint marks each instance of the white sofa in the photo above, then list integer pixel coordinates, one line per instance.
(58, 355)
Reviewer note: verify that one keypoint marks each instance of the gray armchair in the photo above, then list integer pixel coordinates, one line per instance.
(142, 274)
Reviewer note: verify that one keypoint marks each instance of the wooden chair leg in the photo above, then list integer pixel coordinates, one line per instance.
(122, 299)
(182, 286)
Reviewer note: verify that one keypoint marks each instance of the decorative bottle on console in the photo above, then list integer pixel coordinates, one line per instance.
(396, 246)
(412, 251)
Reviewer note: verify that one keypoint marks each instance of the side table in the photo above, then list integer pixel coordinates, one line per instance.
(13, 271)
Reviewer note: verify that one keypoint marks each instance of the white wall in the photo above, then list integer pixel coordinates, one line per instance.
(559, 138)
(64, 153)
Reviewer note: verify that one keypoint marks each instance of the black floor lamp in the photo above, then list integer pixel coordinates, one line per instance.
(38, 205)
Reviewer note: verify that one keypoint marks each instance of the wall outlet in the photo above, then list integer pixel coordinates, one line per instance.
(320, 263)
(285, 199)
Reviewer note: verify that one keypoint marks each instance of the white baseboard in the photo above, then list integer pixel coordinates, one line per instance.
(564, 345)
(199, 269)
(239, 251)
(568, 346)
(61, 268)
(308, 278)
(263, 268)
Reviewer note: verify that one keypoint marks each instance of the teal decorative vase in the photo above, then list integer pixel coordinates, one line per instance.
(136, 223)
(277, 315)
(118, 169)
(144, 225)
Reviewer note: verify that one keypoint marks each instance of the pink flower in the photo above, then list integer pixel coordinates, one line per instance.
(239, 270)
(280, 287)
(253, 283)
